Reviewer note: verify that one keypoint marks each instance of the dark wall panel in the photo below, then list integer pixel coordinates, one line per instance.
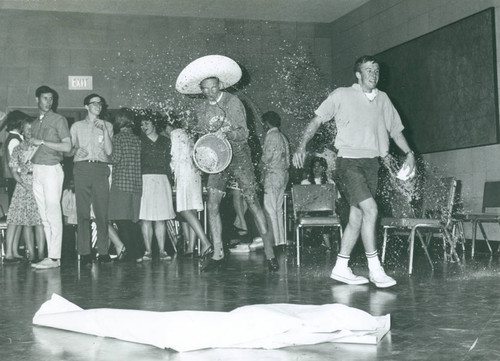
(444, 85)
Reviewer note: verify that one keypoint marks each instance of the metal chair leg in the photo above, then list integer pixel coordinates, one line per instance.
(449, 240)
(424, 245)
(297, 243)
(474, 234)
(384, 245)
(461, 235)
(411, 238)
(481, 227)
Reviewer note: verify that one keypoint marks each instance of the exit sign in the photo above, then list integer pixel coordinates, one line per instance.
(79, 82)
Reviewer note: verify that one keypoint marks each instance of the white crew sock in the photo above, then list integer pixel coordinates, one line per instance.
(342, 261)
(373, 261)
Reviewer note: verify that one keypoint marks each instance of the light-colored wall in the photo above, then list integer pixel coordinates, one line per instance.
(382, 24)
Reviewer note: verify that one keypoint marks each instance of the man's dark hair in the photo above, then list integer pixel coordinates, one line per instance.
(272, 118)
(44, 89)
(364, 59)
(16, 119)
(86, 100)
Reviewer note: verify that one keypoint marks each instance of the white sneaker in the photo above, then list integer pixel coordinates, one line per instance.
(240, 248)
(257, 243)
(345, 275)
(380, 279)
(48, 263)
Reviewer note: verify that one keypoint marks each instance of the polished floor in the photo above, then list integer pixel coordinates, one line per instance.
(451, 313)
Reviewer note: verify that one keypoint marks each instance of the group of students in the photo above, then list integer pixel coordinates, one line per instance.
(136, 187)
(365, 121)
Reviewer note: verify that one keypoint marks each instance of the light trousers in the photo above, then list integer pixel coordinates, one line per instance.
(47, 189)
(274, 191)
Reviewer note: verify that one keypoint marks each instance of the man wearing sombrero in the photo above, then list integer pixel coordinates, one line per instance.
(223, 114)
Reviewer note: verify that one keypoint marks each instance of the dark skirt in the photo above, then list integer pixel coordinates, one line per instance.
(123, 205)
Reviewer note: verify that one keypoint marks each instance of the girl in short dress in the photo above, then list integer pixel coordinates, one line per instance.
(156, 200)
(188, 185)
(23, 210)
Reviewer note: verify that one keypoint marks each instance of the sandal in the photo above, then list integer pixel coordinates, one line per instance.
(122, 253)
(241, 232)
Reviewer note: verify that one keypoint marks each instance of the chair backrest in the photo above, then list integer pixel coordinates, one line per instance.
(439, 199)
(491, 197)
(314, 198)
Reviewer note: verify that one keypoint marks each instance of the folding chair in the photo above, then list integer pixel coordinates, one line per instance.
(437, 208)
(307, 201)
(173, 233)
(490, 214)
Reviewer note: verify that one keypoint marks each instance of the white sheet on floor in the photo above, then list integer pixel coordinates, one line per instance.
(256, 326)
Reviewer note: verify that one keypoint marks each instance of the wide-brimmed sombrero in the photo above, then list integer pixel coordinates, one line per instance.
(222, 67)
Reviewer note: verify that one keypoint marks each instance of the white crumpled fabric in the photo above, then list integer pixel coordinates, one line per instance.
(256, 326)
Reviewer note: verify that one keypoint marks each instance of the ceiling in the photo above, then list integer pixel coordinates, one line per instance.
(316, 11)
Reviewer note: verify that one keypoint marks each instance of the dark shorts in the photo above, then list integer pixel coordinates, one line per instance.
(357, 179)
(241, 169)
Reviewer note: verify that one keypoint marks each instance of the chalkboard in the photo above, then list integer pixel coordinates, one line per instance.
(444, 85)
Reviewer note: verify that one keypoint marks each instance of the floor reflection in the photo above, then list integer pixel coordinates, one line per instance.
(446, 314)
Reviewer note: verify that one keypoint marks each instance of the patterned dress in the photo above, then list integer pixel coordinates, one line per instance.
(23, 209)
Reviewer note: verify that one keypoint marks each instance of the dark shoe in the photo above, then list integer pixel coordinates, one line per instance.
(11, 260)
(105, 258)
(187, 255)
(86, 260)
(209, 252)
(211, 264)
(273, 264)
(280, 248)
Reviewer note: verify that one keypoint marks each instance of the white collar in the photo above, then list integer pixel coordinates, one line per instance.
(371, 96)
(270, 130)
(217, 100)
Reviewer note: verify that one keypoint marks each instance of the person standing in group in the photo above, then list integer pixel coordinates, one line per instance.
(23, 210)
(189, 197)
(50, 133)
(275, 163)
(365, 119)
(224, 114)
(156, 201)
(92, 146)
(126, 185)
(15, 120)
